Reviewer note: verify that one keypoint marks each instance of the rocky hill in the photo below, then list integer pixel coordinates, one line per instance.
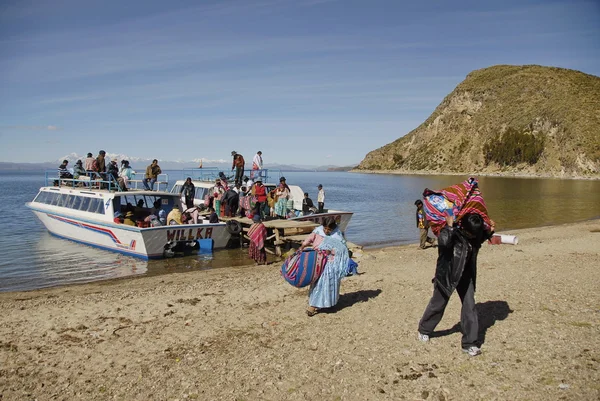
(509, 120)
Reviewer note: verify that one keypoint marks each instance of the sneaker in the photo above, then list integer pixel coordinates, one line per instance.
(472, 351)
(423, 337)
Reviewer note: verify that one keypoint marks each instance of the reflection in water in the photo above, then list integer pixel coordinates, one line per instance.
(59, 262)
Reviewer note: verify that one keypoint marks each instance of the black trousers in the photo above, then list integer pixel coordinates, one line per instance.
(469, 323)
(321, 206)
(239, 173)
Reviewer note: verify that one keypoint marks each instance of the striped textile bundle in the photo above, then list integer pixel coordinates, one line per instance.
(454, 201)
(304, 267)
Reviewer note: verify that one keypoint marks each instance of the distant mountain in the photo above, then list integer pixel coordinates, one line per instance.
(507, 120)
(5, 166)
(139, 164)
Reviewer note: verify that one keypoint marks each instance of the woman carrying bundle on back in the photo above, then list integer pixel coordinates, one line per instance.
(325, 292)
(257, 234)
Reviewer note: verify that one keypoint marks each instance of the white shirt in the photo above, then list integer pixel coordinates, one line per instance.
(258, 161)
(321, 196)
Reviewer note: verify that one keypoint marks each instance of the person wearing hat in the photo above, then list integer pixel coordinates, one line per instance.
(129, 219)
(282, 193)
(238, 165)
(112, 172)
(216, 195)
(78, 170)
(321, 198)
(259, 191)
(422, 225)
(257, 234)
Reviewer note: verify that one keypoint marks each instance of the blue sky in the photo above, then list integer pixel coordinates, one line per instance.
(307, 82)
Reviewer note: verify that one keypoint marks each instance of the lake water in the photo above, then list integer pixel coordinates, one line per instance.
(383, 206)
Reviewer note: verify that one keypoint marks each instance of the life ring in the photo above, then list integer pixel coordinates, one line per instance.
(234, 227)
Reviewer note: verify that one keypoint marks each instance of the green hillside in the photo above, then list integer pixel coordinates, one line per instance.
(528, 120)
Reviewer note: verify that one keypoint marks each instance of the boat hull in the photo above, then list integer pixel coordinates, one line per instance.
(144, 243)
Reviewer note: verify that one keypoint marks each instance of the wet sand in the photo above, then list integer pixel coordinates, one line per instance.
(241, 333)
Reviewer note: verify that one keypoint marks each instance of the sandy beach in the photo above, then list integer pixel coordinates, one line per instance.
(242, 334)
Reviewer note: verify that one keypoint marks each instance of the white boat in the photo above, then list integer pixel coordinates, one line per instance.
(86, 215)
(204, 179)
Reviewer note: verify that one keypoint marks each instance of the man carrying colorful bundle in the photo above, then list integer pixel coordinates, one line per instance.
(458, 216)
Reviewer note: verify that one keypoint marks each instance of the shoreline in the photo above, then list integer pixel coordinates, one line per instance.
(241, 333)
(499, 175)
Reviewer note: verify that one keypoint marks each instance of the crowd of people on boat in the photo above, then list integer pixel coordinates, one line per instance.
(98, 169)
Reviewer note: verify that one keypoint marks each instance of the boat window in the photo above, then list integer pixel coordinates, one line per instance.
(200, 193)
(95, 205)
(76, 202)
(69, 201)
(62, 198)
(41, 197)
(85, 204)
(176, 189)
(50, 198)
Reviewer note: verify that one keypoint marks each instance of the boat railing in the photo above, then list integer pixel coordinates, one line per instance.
(105, 181)
(210, 174)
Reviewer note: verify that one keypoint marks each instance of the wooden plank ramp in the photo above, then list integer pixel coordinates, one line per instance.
(282, 234)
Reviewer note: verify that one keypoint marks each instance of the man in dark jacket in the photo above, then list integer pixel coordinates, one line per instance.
(456, 269)
(307, 204)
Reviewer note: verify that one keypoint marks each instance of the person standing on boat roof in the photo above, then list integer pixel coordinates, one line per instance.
(152, 172)
(188, 190)
(238, 165)
(321, 198)
(257, 164)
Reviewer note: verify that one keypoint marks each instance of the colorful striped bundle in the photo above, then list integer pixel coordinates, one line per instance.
(454, 201)
(304, 267)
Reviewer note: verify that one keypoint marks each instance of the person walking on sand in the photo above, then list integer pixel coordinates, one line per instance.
(422, 225)
(321, 198)
(456, 268)
(325, 292)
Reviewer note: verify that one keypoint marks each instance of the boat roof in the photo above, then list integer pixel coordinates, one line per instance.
(105, 192)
